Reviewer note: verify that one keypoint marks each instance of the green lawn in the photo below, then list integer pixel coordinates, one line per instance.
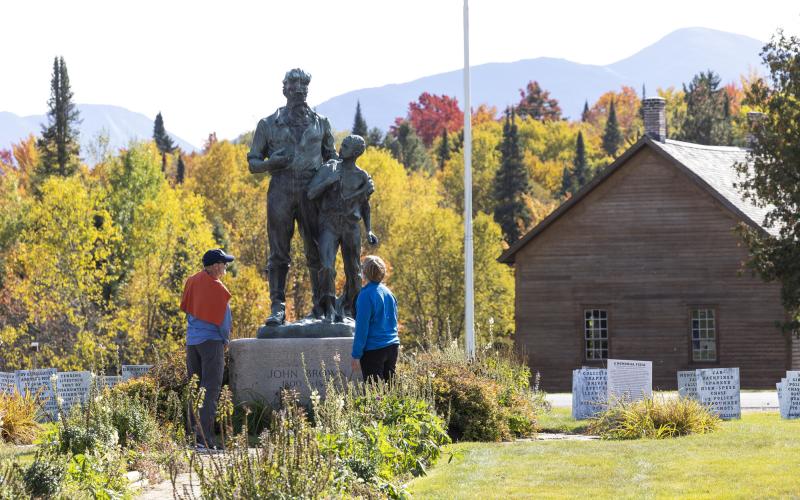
(23, 455)
(756, 457)
(559, 420)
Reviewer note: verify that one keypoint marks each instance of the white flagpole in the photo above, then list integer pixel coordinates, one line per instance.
(469, 299)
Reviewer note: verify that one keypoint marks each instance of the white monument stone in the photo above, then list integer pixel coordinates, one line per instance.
(687, 384)
(629, 380)
(789, 395)
(72, 388)
(134, 371)
(589, 390)
(40, 383)
(260, 368)
(108, 380)
(8, 383)
(718, 388)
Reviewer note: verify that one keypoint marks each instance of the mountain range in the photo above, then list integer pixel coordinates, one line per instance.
(671, 61)
(121, 125)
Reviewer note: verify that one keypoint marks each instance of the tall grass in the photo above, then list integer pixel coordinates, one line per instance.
(655, 418)
(18, 415)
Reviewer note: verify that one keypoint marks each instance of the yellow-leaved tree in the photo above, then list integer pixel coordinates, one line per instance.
(169, 235)
(486, 139)
(57, 275)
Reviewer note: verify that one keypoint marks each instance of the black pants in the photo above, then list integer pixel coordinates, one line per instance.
(379, 364)
(207, 361)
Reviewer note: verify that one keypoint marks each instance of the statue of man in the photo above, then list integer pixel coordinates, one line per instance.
(291, 144)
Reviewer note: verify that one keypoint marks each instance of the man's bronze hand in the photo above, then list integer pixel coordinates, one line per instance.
(279, 160)
(372, 239)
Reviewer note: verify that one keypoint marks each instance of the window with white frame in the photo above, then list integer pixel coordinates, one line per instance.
(595, 333)
(704, 335)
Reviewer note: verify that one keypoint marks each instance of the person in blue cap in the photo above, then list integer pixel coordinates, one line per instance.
(206, 303)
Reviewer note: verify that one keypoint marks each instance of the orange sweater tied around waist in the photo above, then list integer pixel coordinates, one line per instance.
(205, 298)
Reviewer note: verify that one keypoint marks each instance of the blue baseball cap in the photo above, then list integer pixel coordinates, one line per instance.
(214, 256)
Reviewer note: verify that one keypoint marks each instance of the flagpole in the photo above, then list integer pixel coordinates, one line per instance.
(469, 299)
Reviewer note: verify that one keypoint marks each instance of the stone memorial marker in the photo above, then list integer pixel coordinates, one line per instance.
(39, 382)
(629, 380)
(8, 383)
(134, 371)
(73, 388)
(260, 368)
(589, 389)
(687, 384)
(109, 380)
(718, 388)
(789, 395)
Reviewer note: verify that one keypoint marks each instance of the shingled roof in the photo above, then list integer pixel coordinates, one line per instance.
(712, 167)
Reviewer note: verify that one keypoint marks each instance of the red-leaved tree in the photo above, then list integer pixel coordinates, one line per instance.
(431, 114)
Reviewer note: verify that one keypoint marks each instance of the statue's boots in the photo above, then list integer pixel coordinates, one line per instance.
(278, 317)
(277, 292)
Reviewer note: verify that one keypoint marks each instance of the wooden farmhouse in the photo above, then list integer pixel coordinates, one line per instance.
(644, 263)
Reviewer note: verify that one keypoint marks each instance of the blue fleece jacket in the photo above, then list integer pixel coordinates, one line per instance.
(376, 319)
(198, 331)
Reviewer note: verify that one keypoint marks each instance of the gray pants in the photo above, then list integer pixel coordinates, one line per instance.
(207, 361)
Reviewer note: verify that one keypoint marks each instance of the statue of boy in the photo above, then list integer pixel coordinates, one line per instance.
(343, 190)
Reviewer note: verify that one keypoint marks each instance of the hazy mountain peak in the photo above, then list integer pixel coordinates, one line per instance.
(121, 125)
(671, 61)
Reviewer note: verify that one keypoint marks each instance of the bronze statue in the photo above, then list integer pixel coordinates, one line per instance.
(291, 144)
(343, 190)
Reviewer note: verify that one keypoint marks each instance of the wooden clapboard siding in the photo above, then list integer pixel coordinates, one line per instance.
(647, 244)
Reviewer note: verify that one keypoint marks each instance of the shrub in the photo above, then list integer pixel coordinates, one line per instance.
(654, 418)
(87, 429)
(131, 419)
(43, 478)
(18, 416)
(12, 481)
(488, 398)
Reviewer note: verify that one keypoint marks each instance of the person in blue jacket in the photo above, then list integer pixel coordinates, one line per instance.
(376, 343)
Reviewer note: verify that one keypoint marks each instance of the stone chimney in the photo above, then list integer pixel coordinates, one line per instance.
(753, 119)
(655, 120)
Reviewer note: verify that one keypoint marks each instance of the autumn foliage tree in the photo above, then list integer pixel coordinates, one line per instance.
(431, 114)
(537, 103)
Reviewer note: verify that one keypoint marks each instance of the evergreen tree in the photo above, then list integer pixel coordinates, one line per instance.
(407, 147)
(359, 124)
(512, 212)
(163, 140)
(180, 172)
(585, 113)
(58, 145)
(444, 150)
(707, 111)
(374, 137)
(612, 137)
(574, 179)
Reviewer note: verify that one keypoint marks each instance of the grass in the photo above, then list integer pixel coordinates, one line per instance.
(559, 420)
(755, 457)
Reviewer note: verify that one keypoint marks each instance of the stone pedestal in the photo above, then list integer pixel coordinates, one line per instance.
(260, 367)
